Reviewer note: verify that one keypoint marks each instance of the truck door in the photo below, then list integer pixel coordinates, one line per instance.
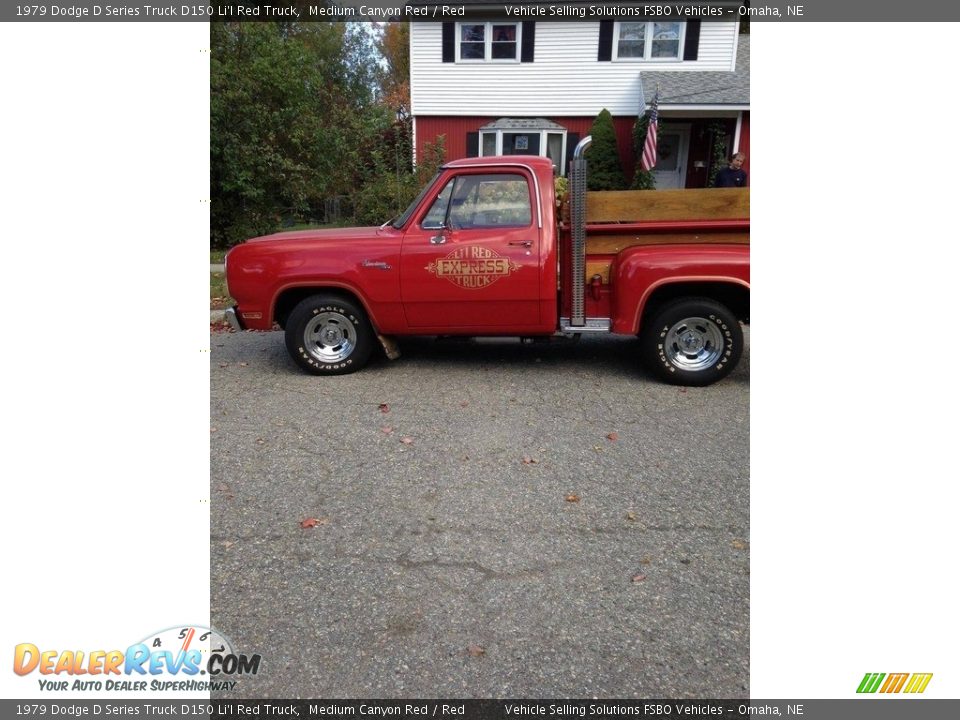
(471, 259)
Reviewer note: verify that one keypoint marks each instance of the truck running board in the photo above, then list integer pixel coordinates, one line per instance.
(591, 325)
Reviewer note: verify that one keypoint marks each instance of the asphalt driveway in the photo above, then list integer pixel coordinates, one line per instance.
(487, 519)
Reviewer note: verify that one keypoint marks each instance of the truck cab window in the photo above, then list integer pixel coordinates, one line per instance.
(490, 201)
(437, 213)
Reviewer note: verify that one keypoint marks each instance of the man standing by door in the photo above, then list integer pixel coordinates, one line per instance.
(733, 175)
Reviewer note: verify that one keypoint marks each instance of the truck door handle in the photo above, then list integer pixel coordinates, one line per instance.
(438, 239)
(522, 243)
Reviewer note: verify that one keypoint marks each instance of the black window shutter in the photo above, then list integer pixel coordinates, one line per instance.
(572, 140)
(527, 33)
(691, 45)
(473, 144)
(605, 47)
(449, 42)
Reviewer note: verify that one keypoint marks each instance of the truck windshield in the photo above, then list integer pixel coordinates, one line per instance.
(402, 219)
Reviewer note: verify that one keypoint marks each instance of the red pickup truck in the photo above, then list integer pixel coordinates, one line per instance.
(485, 250)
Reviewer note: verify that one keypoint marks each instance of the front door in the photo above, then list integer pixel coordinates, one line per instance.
(472, 257)
(673, 144)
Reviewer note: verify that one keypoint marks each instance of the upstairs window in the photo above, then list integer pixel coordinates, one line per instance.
(648, 41)
(488, 42)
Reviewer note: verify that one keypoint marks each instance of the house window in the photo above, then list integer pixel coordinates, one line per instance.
(489, 146)
(648, 41)
(546, 143)
(488, 42)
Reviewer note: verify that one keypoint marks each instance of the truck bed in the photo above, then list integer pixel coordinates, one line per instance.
(617, 220)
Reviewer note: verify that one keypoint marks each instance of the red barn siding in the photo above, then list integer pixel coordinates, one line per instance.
(455, 129)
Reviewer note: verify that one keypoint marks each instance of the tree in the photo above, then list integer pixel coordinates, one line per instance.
(394, 45)
(292, 119)
(606, 172)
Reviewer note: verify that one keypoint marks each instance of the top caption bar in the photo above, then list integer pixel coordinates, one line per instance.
(432, 11)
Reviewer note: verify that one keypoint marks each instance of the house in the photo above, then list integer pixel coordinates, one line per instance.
(493, 84)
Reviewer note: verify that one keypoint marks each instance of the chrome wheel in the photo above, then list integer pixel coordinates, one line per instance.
(329, 337)
(694, 343)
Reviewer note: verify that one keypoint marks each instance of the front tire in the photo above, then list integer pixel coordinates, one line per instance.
(328, 335)
(692, 341)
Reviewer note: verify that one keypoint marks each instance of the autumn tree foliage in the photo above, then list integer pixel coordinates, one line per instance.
(395, 48)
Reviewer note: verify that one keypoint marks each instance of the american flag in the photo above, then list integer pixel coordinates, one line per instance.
(649, 158)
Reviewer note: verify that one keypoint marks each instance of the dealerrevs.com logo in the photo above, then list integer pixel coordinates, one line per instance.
(183, 659)
(894, 683)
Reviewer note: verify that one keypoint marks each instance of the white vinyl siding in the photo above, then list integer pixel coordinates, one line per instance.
(565, 77)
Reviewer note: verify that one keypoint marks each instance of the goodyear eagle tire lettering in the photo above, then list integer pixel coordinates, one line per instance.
(328, 335)
(692, 341)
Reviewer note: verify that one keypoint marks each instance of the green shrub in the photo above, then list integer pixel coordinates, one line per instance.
(384, 197)
(605, 171)
(388, 190)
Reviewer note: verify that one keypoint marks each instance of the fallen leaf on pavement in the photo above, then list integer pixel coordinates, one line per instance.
(384, 408)
(739, 544)
(612, 437)
(407, 440)
(386, 430)
(527, 460)
(631, 516)
(312, 522)
(571, 498)
(639, 578)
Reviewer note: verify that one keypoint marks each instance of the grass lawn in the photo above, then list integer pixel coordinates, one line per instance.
(219, 299)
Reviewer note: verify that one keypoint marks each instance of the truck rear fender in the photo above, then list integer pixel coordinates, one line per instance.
(643, 279)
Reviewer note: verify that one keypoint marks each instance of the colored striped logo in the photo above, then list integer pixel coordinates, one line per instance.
(894, 682)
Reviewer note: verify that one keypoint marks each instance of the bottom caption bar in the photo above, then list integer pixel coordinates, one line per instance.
(853, 709)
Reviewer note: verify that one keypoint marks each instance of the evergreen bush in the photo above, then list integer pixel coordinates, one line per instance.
(605, 171)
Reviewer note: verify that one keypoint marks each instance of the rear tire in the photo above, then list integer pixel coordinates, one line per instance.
(328, 335)
(692, 341)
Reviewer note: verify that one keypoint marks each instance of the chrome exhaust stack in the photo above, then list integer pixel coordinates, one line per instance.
(578, 231)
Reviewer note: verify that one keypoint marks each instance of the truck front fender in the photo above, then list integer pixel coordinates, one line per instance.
(638, 273)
